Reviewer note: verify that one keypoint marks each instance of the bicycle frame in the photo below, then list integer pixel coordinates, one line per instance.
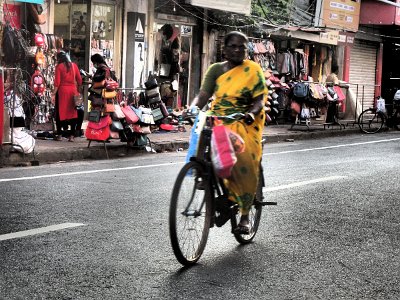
(215, 184)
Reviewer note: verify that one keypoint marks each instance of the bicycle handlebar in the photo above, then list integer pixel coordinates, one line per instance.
(234, 116)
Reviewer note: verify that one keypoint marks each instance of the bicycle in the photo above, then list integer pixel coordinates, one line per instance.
(372, 120)
(199, 202)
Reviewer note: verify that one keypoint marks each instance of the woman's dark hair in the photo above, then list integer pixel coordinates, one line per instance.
(62, 58)
(232, 34)
(98, 59)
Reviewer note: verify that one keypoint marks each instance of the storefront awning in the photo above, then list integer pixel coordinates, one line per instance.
(317, 35)
(30, 1)
(235, 6)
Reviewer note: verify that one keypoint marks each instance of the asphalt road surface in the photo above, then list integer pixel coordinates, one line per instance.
(99, 229)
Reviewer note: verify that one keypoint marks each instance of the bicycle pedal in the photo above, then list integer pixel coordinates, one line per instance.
(268, 203)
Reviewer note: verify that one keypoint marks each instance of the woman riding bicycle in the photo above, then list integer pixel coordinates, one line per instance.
(238, 86)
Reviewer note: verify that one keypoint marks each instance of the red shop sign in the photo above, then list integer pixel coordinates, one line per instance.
(12, 14)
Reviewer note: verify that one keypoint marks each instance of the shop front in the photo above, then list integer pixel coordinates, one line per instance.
(89, 27)
(172, 58)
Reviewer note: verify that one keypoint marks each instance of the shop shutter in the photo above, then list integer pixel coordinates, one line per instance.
(363, 70)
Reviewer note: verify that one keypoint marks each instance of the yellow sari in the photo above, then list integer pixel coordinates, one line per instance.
(234, 93)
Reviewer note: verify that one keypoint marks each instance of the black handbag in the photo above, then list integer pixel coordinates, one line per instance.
(151, 84)
(94, 116)
(116, 126)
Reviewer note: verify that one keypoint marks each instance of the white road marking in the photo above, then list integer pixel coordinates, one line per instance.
(170, 164)
(302, 183)
(332, 147)
(86, 172)
(41, 230)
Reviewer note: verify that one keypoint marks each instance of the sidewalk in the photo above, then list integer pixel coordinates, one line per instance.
(50, 151)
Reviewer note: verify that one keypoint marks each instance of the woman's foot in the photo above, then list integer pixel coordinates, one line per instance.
(71, 138)
(58, 138)
(243, 226)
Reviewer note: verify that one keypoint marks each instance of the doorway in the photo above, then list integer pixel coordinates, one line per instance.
(172, 61)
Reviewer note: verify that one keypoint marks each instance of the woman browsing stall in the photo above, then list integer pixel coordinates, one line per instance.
(238, 86)
(67, 84)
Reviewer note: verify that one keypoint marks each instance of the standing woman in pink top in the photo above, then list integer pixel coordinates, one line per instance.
(67, 83)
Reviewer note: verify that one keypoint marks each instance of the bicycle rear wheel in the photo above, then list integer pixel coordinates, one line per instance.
(370, 121)
(254, 214)
(189, 214)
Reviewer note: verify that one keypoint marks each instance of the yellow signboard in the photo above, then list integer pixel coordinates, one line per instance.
(341, 14)
(330, 37)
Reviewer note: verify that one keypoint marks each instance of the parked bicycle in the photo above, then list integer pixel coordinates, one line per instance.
(372, 120)
(200, 201)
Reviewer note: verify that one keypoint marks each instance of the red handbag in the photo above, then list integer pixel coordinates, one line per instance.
(111, 85)
(222, 152)
(130, 116)
(339, 92)
(99, 131)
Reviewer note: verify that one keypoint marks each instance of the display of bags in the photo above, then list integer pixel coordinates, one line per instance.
(99, 131)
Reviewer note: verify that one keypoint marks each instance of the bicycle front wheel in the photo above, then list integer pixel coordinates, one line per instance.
(370, 121)
(190, 214)
(254, 214)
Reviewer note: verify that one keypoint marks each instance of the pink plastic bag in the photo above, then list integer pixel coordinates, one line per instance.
(222, 152)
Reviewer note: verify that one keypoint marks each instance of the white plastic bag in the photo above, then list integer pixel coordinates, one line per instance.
(23, 140)
(305, 112)
(380, 105)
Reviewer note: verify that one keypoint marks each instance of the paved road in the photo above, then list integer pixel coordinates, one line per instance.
(100, 229)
